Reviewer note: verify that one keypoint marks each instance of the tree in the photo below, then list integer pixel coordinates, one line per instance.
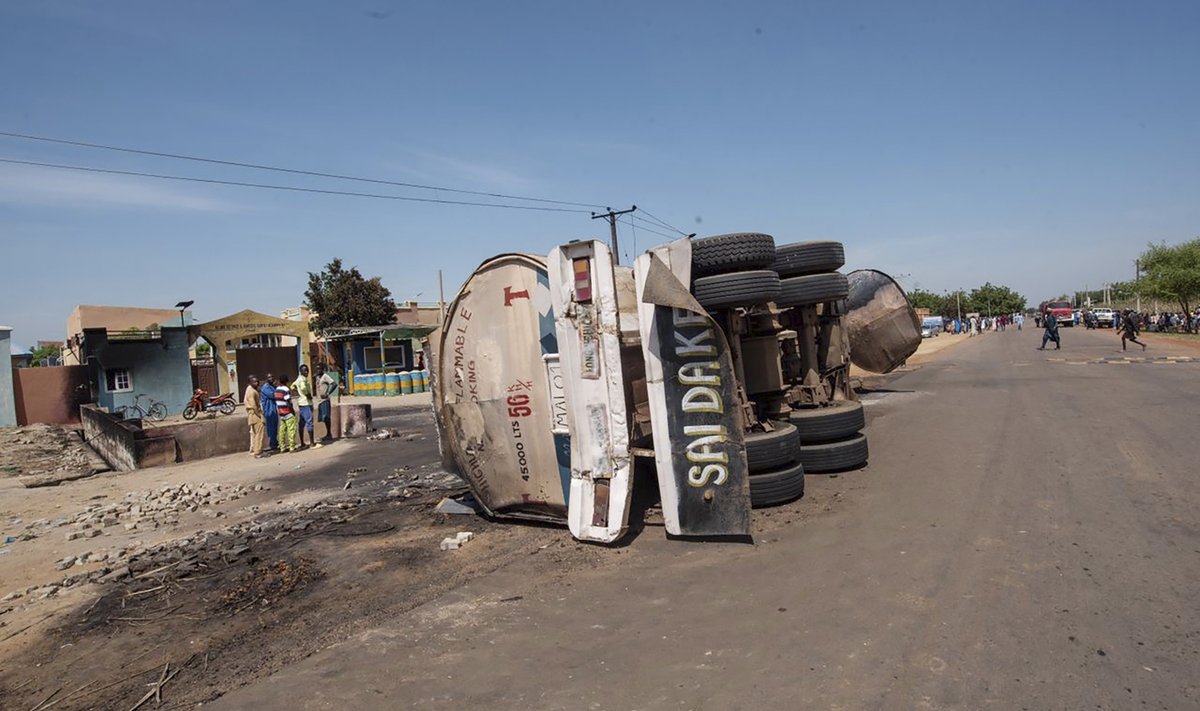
(1173, 272)
(922, 299)
(203, 350)
(994, 300)
(340, 297)
(41, 353)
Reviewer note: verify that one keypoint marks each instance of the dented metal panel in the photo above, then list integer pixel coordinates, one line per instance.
(882, 326)
(498, 393)
(698, 430)
(585, 303)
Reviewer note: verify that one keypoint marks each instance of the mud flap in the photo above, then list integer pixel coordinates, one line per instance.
(584, 301)
(699, 446)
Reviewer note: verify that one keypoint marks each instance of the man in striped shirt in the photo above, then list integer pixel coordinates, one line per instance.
(287, 416)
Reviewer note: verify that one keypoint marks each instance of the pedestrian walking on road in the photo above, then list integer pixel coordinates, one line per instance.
(287, 416)
(1050, 321)
(1129, 330)
(302, 390)
(254, 418)
(270, 417)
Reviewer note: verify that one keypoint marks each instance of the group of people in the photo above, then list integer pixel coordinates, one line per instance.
(974, 325)
(1127, 323)
(280, 411)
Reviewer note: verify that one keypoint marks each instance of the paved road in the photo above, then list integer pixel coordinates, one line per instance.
(1024, 537)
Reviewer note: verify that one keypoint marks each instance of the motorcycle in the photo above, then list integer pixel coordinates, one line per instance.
(200, 402)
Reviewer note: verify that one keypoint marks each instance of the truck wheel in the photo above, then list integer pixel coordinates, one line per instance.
(837, 456)
(732, 253)
(768, 450)
(812, 289)
(736, 289)
(777, 487)
(842, 419)
(808, 258)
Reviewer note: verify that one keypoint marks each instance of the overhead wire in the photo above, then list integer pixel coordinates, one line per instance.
(649, 226)
(644, 228)
(278, 169)
(662, 222)
(292, 188)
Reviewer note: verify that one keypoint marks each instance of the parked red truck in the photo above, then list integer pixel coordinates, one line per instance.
(1062, 311)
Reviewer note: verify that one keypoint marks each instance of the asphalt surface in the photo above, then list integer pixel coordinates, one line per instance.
(1025, 537)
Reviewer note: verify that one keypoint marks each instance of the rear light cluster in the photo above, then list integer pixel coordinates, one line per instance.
(583, 279)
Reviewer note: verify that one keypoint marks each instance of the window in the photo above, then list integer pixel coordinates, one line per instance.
(393, 357)
(118, 380)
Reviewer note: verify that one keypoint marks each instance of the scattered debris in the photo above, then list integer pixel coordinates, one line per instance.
(47, 455)
(466, 506)
(453, 544)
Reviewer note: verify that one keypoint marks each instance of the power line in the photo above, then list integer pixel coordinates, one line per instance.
(648, 225)
(294, 171)
(292, 188)
(644, 228)
(663, 223)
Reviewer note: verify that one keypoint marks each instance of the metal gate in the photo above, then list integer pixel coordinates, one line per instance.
(204, 376)
(279, 361)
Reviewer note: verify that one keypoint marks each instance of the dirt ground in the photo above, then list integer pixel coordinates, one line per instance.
(278, 561)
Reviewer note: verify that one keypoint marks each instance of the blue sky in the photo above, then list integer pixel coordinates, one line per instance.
(1032, 144)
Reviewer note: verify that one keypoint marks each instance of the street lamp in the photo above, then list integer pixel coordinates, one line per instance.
(182, 306)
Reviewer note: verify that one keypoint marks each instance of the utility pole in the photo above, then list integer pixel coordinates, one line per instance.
(1137, 286)
(612, 216)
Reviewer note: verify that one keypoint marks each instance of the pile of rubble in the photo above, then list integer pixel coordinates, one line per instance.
(202, 551)
(207, 550)
(46, 454)
(143, 510)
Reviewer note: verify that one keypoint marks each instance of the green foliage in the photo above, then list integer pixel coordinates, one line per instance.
(922, 299)
(341, 297)
(993, 300)
(41, 353)
(1172, 272)
(203, 350)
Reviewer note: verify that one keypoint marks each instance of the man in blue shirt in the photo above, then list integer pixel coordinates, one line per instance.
(269, 413)
(1051, 333)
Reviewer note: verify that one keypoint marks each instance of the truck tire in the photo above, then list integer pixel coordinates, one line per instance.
(736, 289)
(777, 487)
(812, 289)
(839, 420)
(732, 253)
(770, 450)
(803, 258)
(849, 453)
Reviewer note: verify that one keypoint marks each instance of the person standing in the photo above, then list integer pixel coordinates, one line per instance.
(254, 418)
(270, 417)
(1129, 330)
(326, 388)
(302, 390)
(1050, 321)
(285, 409)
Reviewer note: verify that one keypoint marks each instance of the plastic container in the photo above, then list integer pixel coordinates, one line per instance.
(393, 382)
(406, 383)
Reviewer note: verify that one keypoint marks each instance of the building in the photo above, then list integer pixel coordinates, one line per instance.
(116, 319)
(124, 364)
(8, 403)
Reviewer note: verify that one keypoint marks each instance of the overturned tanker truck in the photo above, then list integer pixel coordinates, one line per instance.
(718, 366)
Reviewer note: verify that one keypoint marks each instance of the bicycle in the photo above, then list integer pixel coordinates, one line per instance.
(155, 412)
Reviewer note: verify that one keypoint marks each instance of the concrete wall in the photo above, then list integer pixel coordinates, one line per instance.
(201, 439)
(160, 368)
(50, 395)
(8, 406)
(123, 444)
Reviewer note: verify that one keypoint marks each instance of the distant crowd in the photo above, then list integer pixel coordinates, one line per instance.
(975, 325)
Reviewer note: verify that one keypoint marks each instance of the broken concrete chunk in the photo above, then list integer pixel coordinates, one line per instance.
(450, 544)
